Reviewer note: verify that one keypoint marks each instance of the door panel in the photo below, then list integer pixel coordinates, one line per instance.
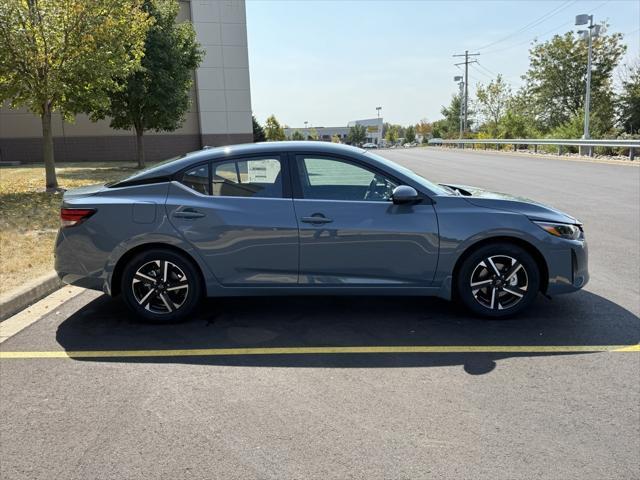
(367, 243)
(350, 231)
(244, 239)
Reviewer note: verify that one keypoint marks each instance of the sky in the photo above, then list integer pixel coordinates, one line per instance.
(331, 61)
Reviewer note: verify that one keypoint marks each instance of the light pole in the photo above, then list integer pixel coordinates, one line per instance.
(378, 109)
(460, 81)
(591, 32)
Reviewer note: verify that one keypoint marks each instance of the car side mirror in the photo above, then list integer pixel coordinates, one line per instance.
(403, 194)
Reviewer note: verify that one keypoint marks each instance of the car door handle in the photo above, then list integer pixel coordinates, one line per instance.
(317, 219)
(188, 213)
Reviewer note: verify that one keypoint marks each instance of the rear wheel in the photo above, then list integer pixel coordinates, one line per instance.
(161, 286)
(498, 280)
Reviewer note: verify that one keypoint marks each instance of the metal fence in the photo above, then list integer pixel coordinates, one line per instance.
(586, 146)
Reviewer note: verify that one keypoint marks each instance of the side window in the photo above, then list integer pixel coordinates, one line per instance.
(333, 179)
(255, 177)
(197, 179)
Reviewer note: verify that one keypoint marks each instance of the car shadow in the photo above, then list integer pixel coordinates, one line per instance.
(582, 319)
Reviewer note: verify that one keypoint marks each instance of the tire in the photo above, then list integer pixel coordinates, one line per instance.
(501, 292)
(159, 297)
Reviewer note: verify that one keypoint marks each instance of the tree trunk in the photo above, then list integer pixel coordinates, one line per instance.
(140, 147)
(47, 150)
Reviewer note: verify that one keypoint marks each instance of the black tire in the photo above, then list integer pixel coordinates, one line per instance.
(155, 299)
(495, 295)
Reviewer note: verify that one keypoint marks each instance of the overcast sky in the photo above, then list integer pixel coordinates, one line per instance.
(328, 62)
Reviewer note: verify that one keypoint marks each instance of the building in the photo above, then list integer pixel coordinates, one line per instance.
(220, 113)
(373, 126)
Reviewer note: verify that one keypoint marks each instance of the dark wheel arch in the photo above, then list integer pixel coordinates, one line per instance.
(116, 277)
(530, 249)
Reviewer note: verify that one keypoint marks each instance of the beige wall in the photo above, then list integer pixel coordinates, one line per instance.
(220, 109)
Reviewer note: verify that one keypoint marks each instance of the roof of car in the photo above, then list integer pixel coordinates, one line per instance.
(176, 164)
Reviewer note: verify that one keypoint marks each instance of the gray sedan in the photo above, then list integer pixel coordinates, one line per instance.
(291, 218)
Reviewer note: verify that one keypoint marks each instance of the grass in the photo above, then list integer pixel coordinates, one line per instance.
(29, 217)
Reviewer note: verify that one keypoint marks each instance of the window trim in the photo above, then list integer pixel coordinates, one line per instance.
(298, 193)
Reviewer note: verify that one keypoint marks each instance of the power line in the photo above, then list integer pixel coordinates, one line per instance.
(564, 24)
(532, 24)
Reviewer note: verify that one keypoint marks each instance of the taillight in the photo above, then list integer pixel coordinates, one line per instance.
(74, 216)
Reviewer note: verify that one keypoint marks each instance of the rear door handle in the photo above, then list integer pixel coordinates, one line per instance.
(188, 213)
(316, 218)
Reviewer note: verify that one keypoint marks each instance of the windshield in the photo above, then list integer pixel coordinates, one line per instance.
(437, 189)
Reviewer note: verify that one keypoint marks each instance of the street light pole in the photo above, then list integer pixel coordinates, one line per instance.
(461, 84)
(592, 31)
(378, 109)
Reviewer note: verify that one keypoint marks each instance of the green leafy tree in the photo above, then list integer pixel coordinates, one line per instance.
(517, 121)
(258, 131)
(156, 97)
(297, 135)
(450, 128)
(67, 56)
(357, 134)
(273, 130)
(410, 134)
(335, 139)
(628, 104)
(555, 81)
(492, 101)
(391, 134)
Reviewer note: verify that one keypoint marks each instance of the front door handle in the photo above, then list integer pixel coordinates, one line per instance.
(188, 213)
(316, 218)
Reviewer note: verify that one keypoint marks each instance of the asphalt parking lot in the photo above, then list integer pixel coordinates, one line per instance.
(557, 402)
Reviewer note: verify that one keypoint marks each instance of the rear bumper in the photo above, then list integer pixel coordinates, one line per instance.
(77, 261)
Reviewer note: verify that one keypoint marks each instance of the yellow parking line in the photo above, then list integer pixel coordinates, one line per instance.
(207, 352)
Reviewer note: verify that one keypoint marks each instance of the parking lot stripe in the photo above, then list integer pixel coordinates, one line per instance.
(206, 352)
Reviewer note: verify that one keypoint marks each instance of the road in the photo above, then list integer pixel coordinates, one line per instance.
(462, 415)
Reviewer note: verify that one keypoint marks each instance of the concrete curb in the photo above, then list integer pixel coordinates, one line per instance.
(20, 298)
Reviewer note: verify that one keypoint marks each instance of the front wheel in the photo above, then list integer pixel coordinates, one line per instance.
(498, 280)
(161, 286)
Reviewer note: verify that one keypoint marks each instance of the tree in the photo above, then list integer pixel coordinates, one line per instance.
(357, 134)
(258, 131)
(391, 135)
(556, 79)
(492, 103)
(273, 130)
(66, 56)
(628, 104)
(410, 134)
(156, 96)
(424, 128)
(312, 134)
(450, 127)
(297, 135)
(336, 139)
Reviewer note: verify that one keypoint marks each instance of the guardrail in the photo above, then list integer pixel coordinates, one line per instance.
(632, 145)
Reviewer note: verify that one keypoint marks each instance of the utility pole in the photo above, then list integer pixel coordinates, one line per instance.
(466, 63)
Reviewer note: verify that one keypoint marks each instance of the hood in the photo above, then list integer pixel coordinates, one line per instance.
(502, 201)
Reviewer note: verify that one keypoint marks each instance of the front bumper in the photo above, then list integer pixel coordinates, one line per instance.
(568, 267)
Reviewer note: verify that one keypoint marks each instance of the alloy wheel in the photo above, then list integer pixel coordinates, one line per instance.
(499, 282)
(160, 286)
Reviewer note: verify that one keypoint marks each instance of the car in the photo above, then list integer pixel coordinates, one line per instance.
(369, 145)
(310, 218)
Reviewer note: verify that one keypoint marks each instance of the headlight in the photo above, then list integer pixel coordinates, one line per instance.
(563, 230)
